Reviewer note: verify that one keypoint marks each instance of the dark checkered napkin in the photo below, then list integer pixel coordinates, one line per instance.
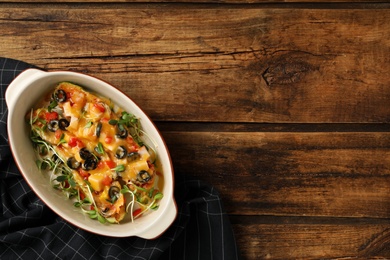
(30, 230)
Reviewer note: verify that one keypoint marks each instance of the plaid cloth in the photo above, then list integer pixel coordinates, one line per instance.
(30, 230)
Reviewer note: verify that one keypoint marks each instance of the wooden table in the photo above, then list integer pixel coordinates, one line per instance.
(282, 106)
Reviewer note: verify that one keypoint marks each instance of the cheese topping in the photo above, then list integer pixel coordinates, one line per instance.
(96, 154)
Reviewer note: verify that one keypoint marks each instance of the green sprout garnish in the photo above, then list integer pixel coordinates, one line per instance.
(61, 174)
(142, 201)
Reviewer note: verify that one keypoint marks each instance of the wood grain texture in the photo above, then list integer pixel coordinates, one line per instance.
(282, 105)
(186, 64)
(311, 174)
(313, 240)
(249, 2)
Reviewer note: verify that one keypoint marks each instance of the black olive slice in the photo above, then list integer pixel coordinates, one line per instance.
(133, 156)
(53, 125)
(143, 176)
(90, 164)
(84, 153)
(60, 95)
(121, 131)
(55, 158)
(121, 152)
(73, 163)
(114, 192)
(98, 129)
(63, 123)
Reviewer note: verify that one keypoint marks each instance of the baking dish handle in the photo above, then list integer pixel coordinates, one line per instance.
(169, 217)
(19, 84)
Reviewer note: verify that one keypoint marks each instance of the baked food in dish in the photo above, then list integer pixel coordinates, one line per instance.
(95, 153)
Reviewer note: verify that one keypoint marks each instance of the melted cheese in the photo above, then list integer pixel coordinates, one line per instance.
(84, 112)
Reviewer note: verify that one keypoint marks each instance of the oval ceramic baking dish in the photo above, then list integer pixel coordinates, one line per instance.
(23, 94)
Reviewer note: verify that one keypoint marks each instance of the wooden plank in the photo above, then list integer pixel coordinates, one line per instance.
(184, 63)
(312, 240)
(275, 127)
(198, 1)
(309, 174)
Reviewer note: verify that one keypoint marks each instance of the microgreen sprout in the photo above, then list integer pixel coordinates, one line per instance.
(99, 148)
(52, 105)
(62, 139)
(93, 213)
(119, 168)
(143, 200)
(89, 124)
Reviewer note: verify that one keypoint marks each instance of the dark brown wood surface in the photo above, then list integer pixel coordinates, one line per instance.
(283, 106)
